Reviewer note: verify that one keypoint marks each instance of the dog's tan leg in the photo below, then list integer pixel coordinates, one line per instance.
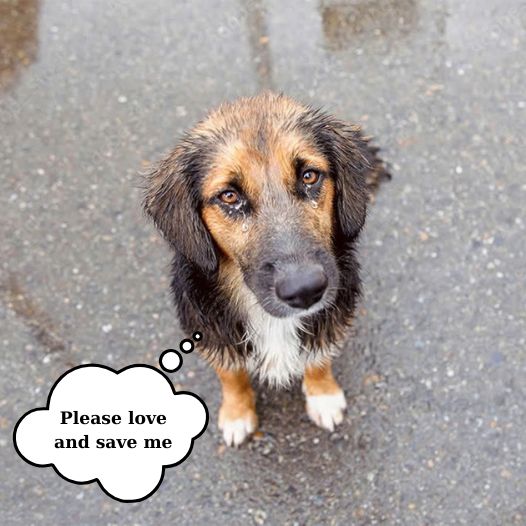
(324, 397)
(237, 416)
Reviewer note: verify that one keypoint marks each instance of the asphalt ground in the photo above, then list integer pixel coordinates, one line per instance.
(435, 372)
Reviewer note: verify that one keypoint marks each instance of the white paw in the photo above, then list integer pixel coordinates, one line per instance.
(326, 410)
(235, 432)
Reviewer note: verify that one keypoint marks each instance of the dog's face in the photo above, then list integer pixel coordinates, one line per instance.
(268, 203)
(265, 188)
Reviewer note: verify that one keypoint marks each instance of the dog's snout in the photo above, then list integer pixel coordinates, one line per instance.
(301, 286)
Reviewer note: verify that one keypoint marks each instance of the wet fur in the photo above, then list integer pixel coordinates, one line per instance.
(208, 288)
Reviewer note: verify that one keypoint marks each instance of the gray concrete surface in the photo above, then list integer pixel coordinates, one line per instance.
(436, 372)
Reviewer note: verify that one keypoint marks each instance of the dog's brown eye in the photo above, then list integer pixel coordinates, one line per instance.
(229, 197)
(311, 177)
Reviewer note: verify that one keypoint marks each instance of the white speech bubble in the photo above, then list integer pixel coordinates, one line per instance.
(165, 424)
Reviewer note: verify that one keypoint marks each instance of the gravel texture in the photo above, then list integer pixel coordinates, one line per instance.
(435, 374)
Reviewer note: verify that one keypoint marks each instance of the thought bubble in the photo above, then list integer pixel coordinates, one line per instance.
(118, 428)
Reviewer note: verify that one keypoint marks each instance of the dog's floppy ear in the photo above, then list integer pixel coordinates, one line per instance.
(172, 201)
(350, 160)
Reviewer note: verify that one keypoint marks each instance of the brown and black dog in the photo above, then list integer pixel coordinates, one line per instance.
(262, 203)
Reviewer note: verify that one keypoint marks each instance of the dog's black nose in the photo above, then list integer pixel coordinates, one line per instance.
(301, 286)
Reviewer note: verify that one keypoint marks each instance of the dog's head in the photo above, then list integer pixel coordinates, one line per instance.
(271, 188)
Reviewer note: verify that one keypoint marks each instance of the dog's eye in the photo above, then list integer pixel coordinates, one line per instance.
(310, 177)
(229, 197)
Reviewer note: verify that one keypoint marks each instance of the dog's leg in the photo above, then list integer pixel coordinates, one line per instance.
(324, 397)
(237, 416)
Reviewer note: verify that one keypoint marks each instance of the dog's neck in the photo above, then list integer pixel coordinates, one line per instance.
(277, 356)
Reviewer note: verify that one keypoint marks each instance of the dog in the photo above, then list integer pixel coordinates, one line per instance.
(262, 203)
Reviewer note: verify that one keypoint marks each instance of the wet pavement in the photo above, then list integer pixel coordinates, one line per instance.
(90, 92)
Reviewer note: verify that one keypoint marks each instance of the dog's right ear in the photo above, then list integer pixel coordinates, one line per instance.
(172, 201)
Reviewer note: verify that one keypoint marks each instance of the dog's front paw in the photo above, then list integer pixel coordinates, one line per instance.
(326, 410)
(237, 428)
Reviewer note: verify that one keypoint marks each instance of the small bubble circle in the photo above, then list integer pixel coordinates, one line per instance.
(197, 336)
(170, 360)
(186, 345)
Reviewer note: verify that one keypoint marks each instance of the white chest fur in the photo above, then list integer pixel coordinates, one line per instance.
(277, 356)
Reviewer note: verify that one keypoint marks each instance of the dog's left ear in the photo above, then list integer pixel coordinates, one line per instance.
(350, 161)
(172, 201)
